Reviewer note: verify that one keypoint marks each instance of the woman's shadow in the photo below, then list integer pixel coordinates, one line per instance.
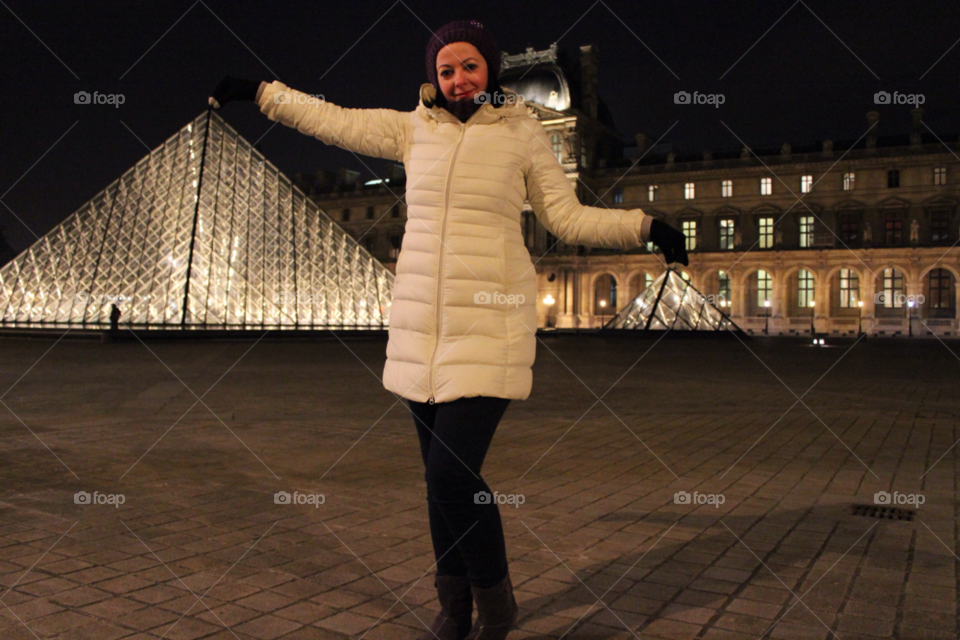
(687, 575)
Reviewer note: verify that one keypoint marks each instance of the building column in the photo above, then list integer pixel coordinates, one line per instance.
(956, 302)
(868, 288)
(778, 299)
(584, 299)
(821, 309)
(913, 315)
(567, 317)
(738, 300)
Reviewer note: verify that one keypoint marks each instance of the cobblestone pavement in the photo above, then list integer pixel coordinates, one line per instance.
(774, 442)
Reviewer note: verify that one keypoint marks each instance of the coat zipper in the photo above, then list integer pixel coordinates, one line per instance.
(443, 228)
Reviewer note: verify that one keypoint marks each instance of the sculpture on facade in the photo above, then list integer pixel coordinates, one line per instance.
(914, 232)
(867, 234)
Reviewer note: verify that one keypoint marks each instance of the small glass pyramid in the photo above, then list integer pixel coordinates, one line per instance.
(670, 302)
(201, 233)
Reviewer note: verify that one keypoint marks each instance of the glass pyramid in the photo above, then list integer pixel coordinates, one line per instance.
(201, 233)
(670, 302)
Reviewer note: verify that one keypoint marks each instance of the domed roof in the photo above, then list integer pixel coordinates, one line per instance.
(537, 77)
(543, 84)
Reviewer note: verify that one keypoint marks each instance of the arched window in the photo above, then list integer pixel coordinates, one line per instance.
(723, 289)
(805, 287)
(892, 289)
(849, 288)
(764, 287)
(940, 286)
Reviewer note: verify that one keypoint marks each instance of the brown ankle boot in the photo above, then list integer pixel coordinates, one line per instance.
(456, 609)
(496, 611)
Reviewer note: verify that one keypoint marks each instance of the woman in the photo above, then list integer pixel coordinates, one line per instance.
(463, 322)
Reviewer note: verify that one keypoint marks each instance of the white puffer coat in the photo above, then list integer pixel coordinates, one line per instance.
(463, 321)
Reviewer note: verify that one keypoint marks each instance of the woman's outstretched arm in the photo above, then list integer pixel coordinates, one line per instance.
(382, 133)
(556, 204)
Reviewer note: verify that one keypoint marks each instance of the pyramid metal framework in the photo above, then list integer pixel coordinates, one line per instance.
(670, 302)
(201, 233)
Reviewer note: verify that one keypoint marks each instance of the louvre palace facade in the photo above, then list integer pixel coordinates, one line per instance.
(835, 237)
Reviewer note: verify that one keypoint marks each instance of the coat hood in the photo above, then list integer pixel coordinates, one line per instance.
(515, 106)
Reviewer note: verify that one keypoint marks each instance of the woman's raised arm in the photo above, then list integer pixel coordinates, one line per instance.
(382, 133)
(556, 204)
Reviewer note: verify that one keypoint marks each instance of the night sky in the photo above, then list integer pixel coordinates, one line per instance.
(811, 77)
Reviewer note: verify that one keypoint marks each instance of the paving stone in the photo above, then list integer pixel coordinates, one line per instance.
(596, 498)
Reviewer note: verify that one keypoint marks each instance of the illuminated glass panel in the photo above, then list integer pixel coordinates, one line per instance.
(202, 232)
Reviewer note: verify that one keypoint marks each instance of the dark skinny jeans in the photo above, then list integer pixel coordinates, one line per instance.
(454, 438)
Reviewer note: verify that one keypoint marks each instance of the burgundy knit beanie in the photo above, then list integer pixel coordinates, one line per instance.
(464, 31)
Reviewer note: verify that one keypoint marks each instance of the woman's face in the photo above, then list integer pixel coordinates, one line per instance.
(461, 71)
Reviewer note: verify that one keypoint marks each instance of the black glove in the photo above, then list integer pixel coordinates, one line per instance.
(231, 88)
(673, 243)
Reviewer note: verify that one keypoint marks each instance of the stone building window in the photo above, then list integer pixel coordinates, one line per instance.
(849, 229)
(765, 226)
(766, 186)
(805, 288)
(893, 178)
(806, 231)
(690, 230)
(726, 188)
(892, 292)
(939, 176)
(764, 288)
(723, 289)
(893, 229)
(939, 292)
(849, 181)
(689, 190)
(938, 226)
(556, 142)
(849, 288)
(727, 231)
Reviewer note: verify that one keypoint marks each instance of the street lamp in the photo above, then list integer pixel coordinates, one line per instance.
(766, 326)
(813, 314)
(860, 326)
(603, 308)
(548, 300)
